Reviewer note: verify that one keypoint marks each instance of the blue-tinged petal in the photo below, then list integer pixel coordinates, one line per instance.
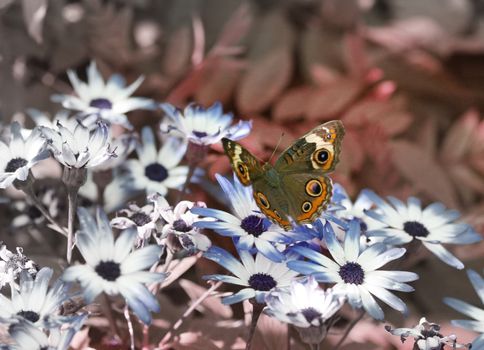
(352, 241)
(444, 255)
(305, 267)
(225, 279)
(269, 251)
(388, 298)
(218, 214)
(245, 242)
(477, 282)
(465, 308)
(387, 283)
(86, 221)
(141, 259)
(124, 244)
(382, 259)
(327, 277)
(399, 276)
(317, 257)
(243, 294)
(225, 259)
(370, 304)
(334, 246)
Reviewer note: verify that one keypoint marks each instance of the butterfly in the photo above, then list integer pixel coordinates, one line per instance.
(296, 187)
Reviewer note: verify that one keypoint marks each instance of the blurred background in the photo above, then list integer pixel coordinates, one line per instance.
(406, 77)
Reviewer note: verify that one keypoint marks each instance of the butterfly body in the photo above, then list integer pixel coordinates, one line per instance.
(296, 186)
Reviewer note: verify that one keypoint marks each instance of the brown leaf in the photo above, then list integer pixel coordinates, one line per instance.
(458, 139)
(218, 80)
(423, 171)
(270, 334)
(178, 52)
(212, 305)
(292, 104)
(327, 102)
(264, 81)
(468, 177)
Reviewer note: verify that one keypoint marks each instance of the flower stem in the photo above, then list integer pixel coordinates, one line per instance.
(314, 346)
(256, 312)
(29, 192)
(130, 327)
(72, 200)
(187, 313)
(350, 327)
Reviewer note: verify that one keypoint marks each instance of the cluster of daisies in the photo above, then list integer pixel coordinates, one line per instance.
(105, 164)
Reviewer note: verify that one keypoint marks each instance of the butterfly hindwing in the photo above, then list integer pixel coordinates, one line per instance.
(272, 202)
(245, 165)
(308, 194)
(318, 149)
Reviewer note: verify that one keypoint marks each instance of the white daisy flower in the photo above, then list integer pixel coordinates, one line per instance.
(179, 225)
(248, 226)
(109, 100)
(19, 155)
(304, 304)
(144, 219)
(112, 267)
(427, 336)
(259, 276)
(12, 264)
(35, 301)
(78, 147)
(433, 226)
(156, 171)
(355, 271)
(123, 145)
(28, 337)
(476, 325)
(203, 126)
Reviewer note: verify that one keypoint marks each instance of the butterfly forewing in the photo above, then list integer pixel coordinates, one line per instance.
(245, 165)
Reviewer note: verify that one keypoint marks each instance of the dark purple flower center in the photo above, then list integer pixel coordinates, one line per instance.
(101, 103)
(253, 225)
(140, 219)
(32, 316)
(199, 134)
(109, 270)
(415, 229)
(352, 273)
(363, 226)
(310, 314)
(262, 282)
(156, 172)
(15, 164)
(33, 212)
(181, 226)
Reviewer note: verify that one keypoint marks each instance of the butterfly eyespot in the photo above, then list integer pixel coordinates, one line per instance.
(241, 168)
(321, 156)
(314, 188)
(306, 206)
(263, 200)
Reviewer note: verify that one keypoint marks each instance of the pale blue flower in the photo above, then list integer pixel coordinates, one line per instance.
(476, 325)
(35, 301)
(98, 99)
(20, 155)
(258, 275)
(203, 126)
(304, 304)
(113, 267)
(248, 226)
(155, 171)
(433, 226)
(355, 270)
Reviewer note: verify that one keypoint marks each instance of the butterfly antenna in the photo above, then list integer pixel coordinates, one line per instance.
(275, 149)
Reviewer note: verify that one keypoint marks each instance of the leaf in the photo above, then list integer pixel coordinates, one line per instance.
(458, 139)
(264, 80)
(213, 305)
(468, 177)
(292, 104)
(177, 52)
(218, 81)
(325, 103)
(423, 171)
(34, 14)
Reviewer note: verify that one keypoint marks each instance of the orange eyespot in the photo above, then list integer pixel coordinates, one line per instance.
(306, 206)
(242, 169)
(314, 188)
(321, 156)
(262, 199)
